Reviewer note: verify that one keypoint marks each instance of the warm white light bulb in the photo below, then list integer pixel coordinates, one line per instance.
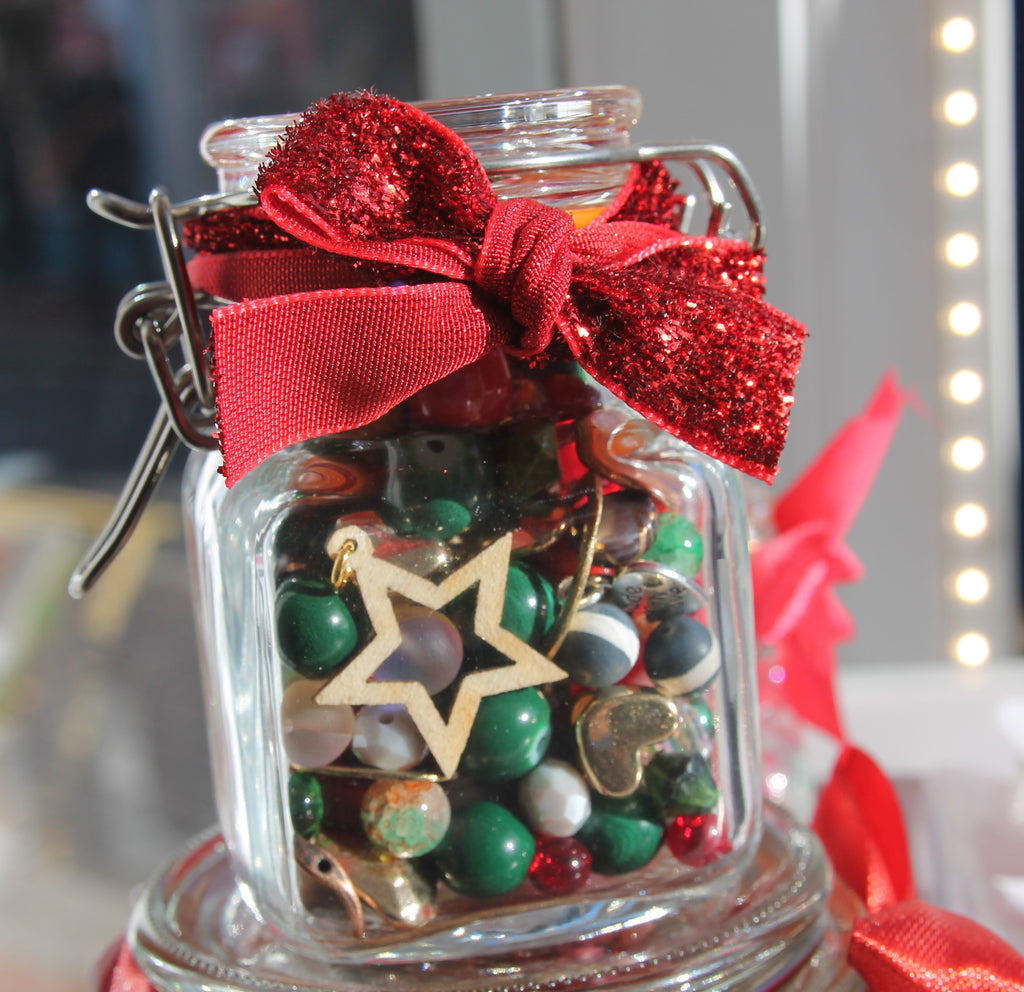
(957, 34)
(962, 179)
(964, 319)
(962, 250)
(970, 520)
(967, 453)
(960, 107)
(971, 585)
(972, 650)
(965, 386)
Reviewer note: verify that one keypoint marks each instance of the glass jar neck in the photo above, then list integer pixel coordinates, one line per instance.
(497, 128)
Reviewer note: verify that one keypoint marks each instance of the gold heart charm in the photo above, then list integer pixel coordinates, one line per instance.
(613, 729)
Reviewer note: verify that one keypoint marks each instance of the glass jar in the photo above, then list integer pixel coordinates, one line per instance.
(480, 674)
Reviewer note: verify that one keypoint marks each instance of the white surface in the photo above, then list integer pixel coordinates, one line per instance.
(916, 719)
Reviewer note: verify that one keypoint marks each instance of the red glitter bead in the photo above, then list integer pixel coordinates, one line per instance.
(693, 839)
(561, 866)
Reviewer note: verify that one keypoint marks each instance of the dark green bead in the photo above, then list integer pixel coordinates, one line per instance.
(681, 784)
(315, 629)
(486, 852)
(439, 518)
(530, 604)
(305, 803)
(510, 735)
(621, 835)
(678, 544)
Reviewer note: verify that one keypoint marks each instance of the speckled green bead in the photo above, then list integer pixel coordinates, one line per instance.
(530, 605)
(305, 803)
(315, 629)
(510, 735)
(486, 852)
(681, 783)
(621, 835)
(439, 518)
(678, 544)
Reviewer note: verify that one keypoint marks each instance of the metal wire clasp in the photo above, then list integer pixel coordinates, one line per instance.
(155, 322)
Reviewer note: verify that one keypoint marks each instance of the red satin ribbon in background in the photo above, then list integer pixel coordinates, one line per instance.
(903, 945)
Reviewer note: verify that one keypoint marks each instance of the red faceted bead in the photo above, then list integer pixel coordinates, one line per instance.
(561, 865)
(478, 395)
(693, 839)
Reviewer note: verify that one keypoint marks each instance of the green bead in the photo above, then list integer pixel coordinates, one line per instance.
(678, 544)
(681, 783)
(700, 714)
(621, 835)
(486, 852)
(315, 629)
(305, 803)
(439, 518)
(510, 735)
(530, 605)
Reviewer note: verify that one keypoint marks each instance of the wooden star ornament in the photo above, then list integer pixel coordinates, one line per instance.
(377, 580)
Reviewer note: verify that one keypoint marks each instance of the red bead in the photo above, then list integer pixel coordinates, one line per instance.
(478, 395)
(561, 866)
(694, 839)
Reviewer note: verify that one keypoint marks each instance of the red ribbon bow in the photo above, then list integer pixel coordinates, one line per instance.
(672, 324)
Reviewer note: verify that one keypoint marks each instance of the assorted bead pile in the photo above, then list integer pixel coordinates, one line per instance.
(585, 741)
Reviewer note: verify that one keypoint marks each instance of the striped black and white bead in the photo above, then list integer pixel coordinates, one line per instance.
(682, 655)
(601, 647)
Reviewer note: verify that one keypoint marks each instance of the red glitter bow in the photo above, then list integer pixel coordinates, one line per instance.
(672, 324)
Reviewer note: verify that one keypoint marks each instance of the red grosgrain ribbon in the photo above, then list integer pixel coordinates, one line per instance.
(672, 324)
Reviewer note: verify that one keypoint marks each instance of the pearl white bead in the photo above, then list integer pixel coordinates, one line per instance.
(314, 735)
(555, 798)
(386, 737)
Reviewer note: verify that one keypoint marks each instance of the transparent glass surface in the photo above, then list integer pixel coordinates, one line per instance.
(193, 932)
(480, 674)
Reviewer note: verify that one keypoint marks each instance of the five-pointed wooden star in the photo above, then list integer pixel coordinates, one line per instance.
(377, 579)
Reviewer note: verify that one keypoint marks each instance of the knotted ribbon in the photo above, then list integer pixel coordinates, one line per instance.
(363, 185)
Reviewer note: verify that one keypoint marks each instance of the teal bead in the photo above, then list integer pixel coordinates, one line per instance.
(510, 735)
(316, 631)
(439, 518)
(678, 545)
(621, 835)
(530, 605)
(486, 851)
(681, 783)
(698, 712)
(305, 803)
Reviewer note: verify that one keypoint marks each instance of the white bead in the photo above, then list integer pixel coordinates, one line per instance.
(314, 735)
(555, 798)
(386, 737)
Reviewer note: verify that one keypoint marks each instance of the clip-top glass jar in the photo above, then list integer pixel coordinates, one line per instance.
(480, 673)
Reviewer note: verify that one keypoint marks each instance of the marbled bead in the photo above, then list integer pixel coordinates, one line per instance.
(530, 607)
(681, 783)
(678, 544)
(315, 629)
(655, 590)
(681, 655)
(621, 835)
(601, 646)
(405, 818)
(555, 798)
(387, 738)
(510, 735)
(627, 528)
(486, 852)
(430, 652)
(561, 866)
(305, 803)
(313, 734)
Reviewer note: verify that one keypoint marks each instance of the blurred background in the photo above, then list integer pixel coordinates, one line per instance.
(881, 137)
